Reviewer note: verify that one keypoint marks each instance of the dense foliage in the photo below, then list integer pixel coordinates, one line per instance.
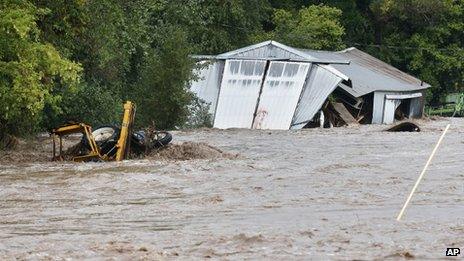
(78, 60)
(30, 70)
(313, 27)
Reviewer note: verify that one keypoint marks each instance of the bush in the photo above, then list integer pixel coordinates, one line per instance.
(199, 115)
(161, 94)
(30, 70)
(89, 103)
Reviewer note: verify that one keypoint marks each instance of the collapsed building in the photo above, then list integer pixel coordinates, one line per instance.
(273, 86)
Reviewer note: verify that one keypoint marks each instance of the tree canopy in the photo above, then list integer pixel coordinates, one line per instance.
(313, 27)
(30, 70)
(78, 60)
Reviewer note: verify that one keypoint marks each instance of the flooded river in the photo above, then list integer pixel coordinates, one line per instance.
(311, 194)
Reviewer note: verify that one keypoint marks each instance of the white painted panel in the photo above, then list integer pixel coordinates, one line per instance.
(240, 88)
(378, 107)
(319, 86)
(207, 85)
(389, 110)
(281, 92)
(382, 113)
(404, 96)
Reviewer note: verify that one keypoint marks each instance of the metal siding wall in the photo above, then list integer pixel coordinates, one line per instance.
(281, 91)
(207, 86)
(240, 88)
(389, 110)
(377, 110)
(382, 113)
(320, 85)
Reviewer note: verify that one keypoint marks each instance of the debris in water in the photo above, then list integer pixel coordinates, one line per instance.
(35, 150)
(243, 238)
(403, 255)
(405, 127)
(8, 142)
(189, 151)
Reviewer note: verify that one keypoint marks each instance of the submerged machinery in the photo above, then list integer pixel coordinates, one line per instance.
(107, 143)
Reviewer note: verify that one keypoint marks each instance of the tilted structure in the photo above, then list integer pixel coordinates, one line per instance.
(273, 86)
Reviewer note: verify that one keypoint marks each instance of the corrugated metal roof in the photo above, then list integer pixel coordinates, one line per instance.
(369, 74)
(268, 49)
(271, 50)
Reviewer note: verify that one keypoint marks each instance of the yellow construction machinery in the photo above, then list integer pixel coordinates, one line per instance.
(95, 151)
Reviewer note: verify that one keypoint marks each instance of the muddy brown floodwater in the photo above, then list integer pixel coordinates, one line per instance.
(310, 194)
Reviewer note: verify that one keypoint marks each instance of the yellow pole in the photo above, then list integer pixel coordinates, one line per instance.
(422, 174)
(127, 121)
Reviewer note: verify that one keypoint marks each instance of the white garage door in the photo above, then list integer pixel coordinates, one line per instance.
(240, 88)
(281, 92)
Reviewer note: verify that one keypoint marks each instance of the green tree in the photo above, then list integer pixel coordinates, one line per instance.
(314, 27)
(63, 25)
(107, 44)
(427, 38)
(421, 37)
(107, 38)
(161, 93)
(117, 43)
(89, 103)
(29, 69)
(214, 26)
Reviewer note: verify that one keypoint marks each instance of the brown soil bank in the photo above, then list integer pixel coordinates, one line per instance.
(8, 142)
(39, 150)
(189, 151)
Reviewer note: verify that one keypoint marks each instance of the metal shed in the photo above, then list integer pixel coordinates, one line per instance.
(390, 87)
(273, 86)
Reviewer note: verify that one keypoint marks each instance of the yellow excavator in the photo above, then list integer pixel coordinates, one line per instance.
(95, 151)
